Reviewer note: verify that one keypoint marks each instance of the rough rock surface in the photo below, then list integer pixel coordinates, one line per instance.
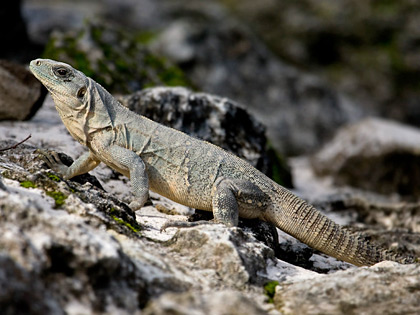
(75, 248)
(212, 118)
(50, 245)
(78, 265)
(214, 303)
(83, 257)
(374, 154)
(21, 95)
(373, 209)
(386, 288)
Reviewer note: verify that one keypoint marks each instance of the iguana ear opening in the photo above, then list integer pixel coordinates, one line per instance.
(81, 92)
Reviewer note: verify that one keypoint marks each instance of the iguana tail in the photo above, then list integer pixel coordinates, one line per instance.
(301, 220)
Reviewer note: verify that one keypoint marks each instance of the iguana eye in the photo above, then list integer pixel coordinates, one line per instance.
(62, 72)
(81, 93)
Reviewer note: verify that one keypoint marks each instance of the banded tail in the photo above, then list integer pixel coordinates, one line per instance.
(301, 220)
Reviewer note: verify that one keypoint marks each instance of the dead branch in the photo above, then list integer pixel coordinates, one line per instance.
(15, 145)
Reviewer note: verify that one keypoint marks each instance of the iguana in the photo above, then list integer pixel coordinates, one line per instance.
(187, 170)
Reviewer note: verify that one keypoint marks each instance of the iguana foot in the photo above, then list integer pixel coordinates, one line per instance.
(135, 205)
(184, 224)
(53, 161)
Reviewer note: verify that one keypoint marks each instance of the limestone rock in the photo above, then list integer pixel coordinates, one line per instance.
(73, 266)
(2, 186)
(232, 254)
(21, 293)
(74, 248)
(21, 95)
(22, 164)
(76, 261)
(215, 303)
(377, 155)
(385, 288)
(373, 209)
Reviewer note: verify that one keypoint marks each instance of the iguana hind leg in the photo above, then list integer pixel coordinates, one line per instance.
(231, 198)
(234, 197)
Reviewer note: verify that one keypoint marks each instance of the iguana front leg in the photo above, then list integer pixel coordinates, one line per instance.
(131, 165)
(85, 163)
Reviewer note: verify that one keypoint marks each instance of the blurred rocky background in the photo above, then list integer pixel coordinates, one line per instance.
(322, 96)
(302, 67)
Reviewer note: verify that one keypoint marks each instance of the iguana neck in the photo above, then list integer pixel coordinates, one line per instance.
(96, 113)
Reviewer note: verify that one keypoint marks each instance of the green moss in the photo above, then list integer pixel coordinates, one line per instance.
(173, 76)
(135, 229)
(66, 50)
(386, 7)
(73, 54)
(54, 177)
(280, 171)
(112, 211)
(170, 75)
(123, 63)
(270, 290)
(50, 50)
(58, 197)
(145, 37)
(27, 184)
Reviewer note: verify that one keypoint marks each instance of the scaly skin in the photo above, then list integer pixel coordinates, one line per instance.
(187, 170)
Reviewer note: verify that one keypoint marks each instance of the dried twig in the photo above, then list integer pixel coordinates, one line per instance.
(15, 145)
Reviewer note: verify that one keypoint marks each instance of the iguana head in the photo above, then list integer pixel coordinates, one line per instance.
(81, 102)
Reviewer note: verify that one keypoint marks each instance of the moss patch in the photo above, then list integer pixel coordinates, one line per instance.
(117, 59)
(27, 184)
(58, 197)
(54, 177)
(280, 171)
(270, 290)
(168, 74)
(145, 37)
(135, 229)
